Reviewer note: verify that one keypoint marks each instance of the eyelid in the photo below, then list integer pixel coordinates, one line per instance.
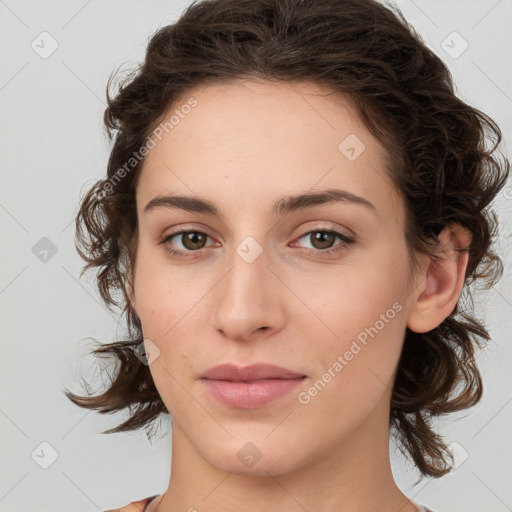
(346, 242)
(314, 227)
(346, 239)
(179, 229)
(328, 227)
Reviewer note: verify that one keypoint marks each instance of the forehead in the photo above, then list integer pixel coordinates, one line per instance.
(265, 139)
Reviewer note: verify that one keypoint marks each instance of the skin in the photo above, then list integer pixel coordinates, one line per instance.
(244, 146)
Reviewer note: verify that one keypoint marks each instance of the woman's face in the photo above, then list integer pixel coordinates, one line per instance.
(320, 288)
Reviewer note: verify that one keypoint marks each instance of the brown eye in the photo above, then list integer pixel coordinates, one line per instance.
(185, 243)
(322, 242)
(322, 239)
(193, 240)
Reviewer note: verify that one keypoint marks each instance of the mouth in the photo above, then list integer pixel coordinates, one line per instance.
(249, 387)
(250, 373)
(250, 394)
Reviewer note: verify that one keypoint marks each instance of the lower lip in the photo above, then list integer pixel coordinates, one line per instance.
(249, 395)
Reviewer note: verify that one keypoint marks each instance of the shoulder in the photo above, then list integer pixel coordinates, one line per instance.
(135, 506)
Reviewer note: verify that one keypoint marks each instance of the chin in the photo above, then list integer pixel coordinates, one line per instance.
(258, 458)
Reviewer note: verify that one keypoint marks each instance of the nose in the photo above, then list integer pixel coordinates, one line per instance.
(248, 299)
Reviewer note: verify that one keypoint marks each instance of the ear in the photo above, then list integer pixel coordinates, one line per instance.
(440, 282)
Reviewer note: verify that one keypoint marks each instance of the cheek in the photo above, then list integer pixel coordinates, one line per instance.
(154, 285)
(168, 302)
(364, 309)
(357, 366)
(357, 297)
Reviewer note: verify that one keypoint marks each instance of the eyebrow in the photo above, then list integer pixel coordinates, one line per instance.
(281, 207)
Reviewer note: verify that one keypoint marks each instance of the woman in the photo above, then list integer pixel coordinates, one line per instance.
(295, 202)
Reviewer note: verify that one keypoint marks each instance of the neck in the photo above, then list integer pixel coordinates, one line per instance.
(353, 476)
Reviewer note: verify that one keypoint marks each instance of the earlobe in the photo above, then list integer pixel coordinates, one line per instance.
(441, 280)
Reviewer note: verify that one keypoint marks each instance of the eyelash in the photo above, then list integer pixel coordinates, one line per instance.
(346, 241)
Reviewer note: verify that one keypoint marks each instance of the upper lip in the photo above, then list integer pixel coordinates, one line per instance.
(255, 371)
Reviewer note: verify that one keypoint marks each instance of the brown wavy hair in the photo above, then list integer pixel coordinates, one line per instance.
(443, 153)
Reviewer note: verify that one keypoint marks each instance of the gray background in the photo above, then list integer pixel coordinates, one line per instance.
(52, 148)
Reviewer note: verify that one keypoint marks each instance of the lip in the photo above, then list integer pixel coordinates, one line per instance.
(249, 387)
(256, 371)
